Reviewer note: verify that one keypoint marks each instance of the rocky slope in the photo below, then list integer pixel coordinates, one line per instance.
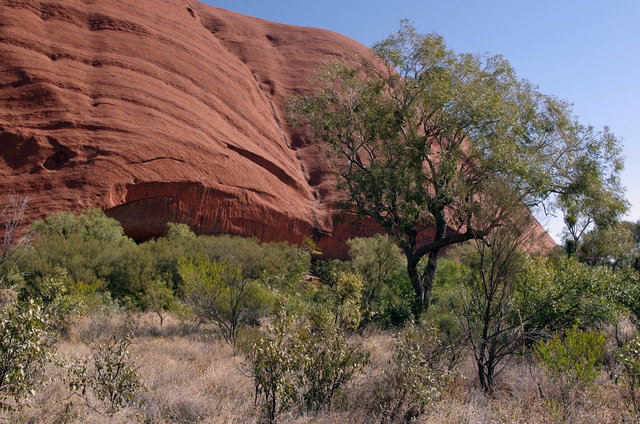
(164, 111)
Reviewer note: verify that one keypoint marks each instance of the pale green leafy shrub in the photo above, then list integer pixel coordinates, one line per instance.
(177, 231)
(572, 363)
(275, 360)
(338, 305)
(52, 294)
(329, 361)
(416, 377)
(109, 374)
(628, 358)
(25, 347)
(556, 294)
(295, 366)
(219, 292)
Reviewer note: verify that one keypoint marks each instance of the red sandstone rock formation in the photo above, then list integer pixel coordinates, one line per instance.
(165, 111)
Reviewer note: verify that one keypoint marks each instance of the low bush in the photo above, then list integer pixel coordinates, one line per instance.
(557, 294)
(628, 358)
(381, 265)
(109, 374)
(387, 295)
(26, 344)
(417, 375)
(220, 293)
(103, 263)
(338, 305)
(293, 365)
(572, 363)
(274, 361)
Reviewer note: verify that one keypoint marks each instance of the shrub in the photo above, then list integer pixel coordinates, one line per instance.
(11, 214)
(395, 303)
(328, 362)
(417, 375)
(179, 231)
(628, 358)
(109, 374)
(377, 259)
(338, 305)
(92, 224)
(220, 293)
(344, 300)
(327, 270)
(96, 254)
(89, 297)
(572, 363)
(626, 293)
(52, 294)
(558, 294)
(278, 265)
(25, 347)
(446, 305)
(157, 297)
(275, 360)
(293, 365)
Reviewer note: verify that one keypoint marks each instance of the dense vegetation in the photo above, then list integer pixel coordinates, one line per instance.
(455, 142)
(302, 340)
(189, 329)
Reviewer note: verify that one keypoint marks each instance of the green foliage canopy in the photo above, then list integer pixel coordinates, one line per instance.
(430, 138)
(219, 292)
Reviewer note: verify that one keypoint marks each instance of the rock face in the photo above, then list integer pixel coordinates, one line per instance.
(165, 111)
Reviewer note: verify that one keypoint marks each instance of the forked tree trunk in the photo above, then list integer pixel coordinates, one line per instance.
(422, 284)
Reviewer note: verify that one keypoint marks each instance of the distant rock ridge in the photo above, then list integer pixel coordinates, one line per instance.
(166, 111)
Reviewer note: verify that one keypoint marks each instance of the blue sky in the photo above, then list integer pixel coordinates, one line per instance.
(584, 51)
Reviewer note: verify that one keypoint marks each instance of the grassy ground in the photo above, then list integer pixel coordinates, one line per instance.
(192, 377)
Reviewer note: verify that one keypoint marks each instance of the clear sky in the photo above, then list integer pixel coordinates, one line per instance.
(586, 52)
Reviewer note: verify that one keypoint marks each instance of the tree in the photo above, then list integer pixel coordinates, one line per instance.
(595, 199)
(376, 258)
(220, 293)
(157, 297)
(11, 215)
(616, 245)
(92, 224)
(432, 145)
(489, 314)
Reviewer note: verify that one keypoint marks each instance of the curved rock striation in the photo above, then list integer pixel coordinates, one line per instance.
(165, 111)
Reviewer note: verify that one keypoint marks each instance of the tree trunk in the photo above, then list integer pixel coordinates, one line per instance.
(429, 276)
(422, 284)
(416, 282)
(481, 373)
